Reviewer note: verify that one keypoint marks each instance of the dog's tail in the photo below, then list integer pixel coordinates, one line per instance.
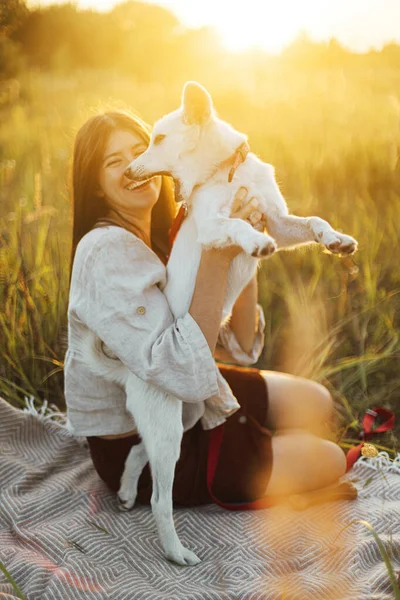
(101, 361)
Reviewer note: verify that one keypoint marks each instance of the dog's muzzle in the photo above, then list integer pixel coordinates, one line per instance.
(128, 173)
(137, 175)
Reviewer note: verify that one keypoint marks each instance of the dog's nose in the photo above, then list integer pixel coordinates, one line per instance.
(128, 173)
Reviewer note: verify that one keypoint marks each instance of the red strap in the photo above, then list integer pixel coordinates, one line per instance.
(176, 225)
(367, 422)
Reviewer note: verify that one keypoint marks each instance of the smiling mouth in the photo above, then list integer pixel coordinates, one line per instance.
(138, 184)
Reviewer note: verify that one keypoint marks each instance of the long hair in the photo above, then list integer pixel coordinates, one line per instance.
(87, 206)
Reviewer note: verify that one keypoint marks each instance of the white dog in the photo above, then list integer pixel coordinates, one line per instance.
(209, 162)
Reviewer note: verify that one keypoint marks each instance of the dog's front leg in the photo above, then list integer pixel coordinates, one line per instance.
(290, 231)
(221, 231)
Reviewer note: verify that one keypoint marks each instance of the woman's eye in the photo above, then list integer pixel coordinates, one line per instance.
(113, 163)
(159, 138)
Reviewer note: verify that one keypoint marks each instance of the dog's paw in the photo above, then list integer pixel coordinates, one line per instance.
(339, 243)
(265, 248)
(126, 498)
(182, 556)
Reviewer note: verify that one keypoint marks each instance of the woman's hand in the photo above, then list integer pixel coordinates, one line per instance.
(247, 210)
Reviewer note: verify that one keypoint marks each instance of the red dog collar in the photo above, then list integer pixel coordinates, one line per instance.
(237, 158)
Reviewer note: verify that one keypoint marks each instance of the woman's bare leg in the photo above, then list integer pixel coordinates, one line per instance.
(297, 403)
(303, 462)
(299, 411)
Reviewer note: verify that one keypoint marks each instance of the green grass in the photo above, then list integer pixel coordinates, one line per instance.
(394, 579)
(16, 588)
(333, 137)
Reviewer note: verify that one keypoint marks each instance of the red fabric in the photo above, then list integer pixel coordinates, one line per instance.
(367, 422)
(176, 226)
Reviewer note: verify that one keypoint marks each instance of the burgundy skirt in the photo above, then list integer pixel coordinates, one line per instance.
(245, 459)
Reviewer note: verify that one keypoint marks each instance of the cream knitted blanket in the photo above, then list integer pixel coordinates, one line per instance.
(63, 538)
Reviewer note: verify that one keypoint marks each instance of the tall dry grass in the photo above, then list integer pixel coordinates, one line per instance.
(333, 137)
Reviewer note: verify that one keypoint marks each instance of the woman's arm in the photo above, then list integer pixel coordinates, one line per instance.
(241, 339)
(244, 319)
(209, 293)
(115, 293)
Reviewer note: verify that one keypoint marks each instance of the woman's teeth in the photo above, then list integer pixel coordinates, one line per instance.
(137, 184)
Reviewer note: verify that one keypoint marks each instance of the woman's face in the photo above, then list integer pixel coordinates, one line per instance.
(122, 193)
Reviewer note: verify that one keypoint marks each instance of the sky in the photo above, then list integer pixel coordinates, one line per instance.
(242, 24)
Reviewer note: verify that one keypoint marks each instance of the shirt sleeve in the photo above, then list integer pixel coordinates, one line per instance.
(120, 301)
(228, 348)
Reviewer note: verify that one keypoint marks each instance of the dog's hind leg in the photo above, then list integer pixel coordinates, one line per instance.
(158, 417)
(162, 468)
(134, 465)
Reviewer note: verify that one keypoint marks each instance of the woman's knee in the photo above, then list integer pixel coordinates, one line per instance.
(304, 462)
(325, 400)
(296, 402)
(320, 411)
(335, 460)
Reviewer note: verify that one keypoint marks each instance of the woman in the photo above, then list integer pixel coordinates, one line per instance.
(120, 244)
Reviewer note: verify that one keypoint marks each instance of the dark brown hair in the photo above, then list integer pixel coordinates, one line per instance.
(88, 206)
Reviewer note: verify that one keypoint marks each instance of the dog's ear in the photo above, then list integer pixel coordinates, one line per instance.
(196, 103)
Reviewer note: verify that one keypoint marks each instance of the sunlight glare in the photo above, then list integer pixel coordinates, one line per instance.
(269, 31)
(252, 23)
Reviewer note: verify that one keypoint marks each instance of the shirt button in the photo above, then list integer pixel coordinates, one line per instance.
(140, 310)
(242, 419)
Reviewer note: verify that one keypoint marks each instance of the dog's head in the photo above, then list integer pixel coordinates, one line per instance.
(186, 144)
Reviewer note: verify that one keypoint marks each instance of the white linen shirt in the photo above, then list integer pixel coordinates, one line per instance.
(115, 292)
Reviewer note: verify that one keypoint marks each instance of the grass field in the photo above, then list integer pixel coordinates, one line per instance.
(334, 139)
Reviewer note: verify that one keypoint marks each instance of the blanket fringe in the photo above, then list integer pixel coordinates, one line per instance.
(381, 462)
(45, 412)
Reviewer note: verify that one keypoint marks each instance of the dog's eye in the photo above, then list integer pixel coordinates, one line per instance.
(159, 138)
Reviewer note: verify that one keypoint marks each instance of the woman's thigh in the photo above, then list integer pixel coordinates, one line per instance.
(297, 402)
(303, 462)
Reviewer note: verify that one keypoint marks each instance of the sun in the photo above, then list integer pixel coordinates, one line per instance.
(236, 39)
(253, 23)
(269, 29)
